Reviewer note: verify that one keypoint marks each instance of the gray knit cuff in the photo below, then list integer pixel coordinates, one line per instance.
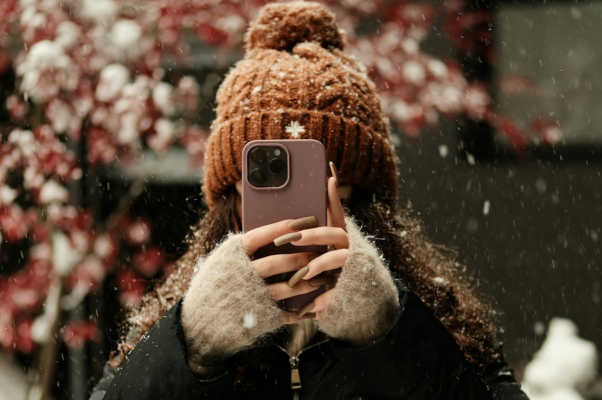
(365, 298)
(227, 307)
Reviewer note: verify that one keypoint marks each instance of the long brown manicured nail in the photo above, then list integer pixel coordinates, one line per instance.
(309, 315)
(305, 222)
(319, 281)
(298, 276)
(305, 309)
(289, 237)
(335, 173)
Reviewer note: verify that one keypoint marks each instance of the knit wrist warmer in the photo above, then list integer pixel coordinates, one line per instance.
(365, 298)
(227, 307)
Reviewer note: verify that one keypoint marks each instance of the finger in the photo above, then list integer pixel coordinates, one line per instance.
(290, 318)
(335, 173)
(326, 262)
(320, 304)
(282, 290)
(309, 315)
(280, 263)
(325, 235)
(259, 237)
(335, 208)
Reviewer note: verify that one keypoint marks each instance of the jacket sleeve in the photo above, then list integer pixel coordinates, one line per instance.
(157, 368)
(418, 359)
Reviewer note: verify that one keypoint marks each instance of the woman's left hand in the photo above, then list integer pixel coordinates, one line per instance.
(362, 305)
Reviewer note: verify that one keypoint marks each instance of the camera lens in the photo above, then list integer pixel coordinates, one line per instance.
(258, 177)
(277, 166)
(258, 156)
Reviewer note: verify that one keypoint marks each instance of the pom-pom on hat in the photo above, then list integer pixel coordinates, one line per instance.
(295, 82)
(283, 26)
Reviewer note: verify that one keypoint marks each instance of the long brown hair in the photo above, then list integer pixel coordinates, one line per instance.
(428, 270)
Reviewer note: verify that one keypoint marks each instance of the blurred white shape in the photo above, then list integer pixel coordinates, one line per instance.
(46, 70)
(125, 35)
(443, 151)
(541, 185)
(414, 72)
(67, 34)
(575, 13)
(103, 246)
(7, 195)
(13, 381)
(102, 11)
(437, 68)
(476, 101)
(24, 140)
(165, 134)
(539, 328)
(64, 255)
(163, 98)
(60, 114)
(486, 207)
(42, 327)
(53, 192)
(249, 320)
(112, 79)
(410, 46)
(563, 366)
(470, 158)
(401, 110)
(128, 131)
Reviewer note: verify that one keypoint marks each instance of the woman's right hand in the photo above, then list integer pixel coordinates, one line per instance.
(228, 305)
(279, 263)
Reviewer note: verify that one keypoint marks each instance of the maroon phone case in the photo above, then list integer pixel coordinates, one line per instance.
(304, 194)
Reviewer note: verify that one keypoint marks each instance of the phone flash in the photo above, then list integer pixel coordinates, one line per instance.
(278, 181)
(277, 152)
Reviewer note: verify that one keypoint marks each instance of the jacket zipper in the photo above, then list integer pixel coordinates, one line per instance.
(294, 362)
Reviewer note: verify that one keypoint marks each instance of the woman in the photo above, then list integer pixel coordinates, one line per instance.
(398, 322)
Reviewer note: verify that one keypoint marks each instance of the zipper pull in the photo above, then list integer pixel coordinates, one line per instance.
(295, 376)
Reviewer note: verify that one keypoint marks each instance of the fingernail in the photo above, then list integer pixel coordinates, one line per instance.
(319, 281)
(289, 237)
(298, 276)
(305, 222)
(335, 173)
(305, 309)
(309, 315)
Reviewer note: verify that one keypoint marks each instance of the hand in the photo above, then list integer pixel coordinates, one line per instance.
(333, 235)
(279, 263)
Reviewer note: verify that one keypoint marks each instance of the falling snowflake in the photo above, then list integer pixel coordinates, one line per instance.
(294, 129)
(249, 320)
(486, 207)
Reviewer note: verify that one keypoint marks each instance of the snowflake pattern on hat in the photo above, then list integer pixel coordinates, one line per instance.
(295, 129)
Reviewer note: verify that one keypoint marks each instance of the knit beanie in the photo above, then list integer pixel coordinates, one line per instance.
(295, 82)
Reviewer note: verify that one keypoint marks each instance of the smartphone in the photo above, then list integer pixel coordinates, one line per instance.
(284, 179)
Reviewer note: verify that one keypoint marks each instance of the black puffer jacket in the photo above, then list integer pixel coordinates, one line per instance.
(417, 359)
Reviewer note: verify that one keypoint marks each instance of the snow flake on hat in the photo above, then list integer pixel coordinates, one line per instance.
(295, 129)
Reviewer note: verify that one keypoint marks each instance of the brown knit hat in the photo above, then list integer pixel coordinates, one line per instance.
(296, 82)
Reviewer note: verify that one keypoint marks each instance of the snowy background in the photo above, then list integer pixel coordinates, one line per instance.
(104, 113)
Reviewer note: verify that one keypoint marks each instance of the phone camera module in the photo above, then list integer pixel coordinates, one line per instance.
(258, 177)
(277, 166)
(258, 156)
